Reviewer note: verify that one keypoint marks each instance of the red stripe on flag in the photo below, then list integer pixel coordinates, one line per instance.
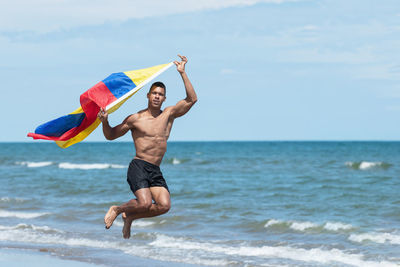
(99, 94)
(91, 101)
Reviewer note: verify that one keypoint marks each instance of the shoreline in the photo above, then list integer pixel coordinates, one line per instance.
(17, 257)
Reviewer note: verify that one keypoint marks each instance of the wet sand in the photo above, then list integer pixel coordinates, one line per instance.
(12, 257)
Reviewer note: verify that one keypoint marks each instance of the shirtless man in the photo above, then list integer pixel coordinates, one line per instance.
(150, 129)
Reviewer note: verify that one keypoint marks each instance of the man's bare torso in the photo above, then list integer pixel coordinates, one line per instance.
(150, 134)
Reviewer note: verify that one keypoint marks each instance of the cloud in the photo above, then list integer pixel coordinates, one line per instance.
(52, 15)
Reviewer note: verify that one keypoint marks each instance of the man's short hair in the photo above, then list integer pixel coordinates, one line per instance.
(158, 84)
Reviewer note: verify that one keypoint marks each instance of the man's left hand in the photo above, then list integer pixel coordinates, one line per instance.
(102, 115)
(180, 66)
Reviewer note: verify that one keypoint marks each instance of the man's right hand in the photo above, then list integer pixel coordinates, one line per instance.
(102, 115)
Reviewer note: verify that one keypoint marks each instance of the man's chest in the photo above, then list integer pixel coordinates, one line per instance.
(152, 126)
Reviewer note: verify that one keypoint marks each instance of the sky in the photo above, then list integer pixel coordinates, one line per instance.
(262, 70)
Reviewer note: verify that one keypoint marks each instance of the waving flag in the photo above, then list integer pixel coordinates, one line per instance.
(110, 94)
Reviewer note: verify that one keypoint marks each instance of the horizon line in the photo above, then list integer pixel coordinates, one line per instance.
(204, 141)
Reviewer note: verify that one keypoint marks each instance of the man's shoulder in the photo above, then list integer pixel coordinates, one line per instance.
(168, 109)
(133, 117)
(136, 116)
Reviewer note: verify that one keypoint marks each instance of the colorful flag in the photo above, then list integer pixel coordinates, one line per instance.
(110, 94)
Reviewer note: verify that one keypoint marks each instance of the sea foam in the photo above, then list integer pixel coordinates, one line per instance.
(176, 161)
(175, 248)
(337, 226)
(304, 226)
(301, 226)
(35, 235)
(31, 164)
(285, 252)
(23, 226)
(366, 165)
(136, 223)
(272, 222)
(380, 238)
(21, 215)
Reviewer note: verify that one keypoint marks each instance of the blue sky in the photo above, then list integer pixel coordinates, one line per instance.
(263, 70)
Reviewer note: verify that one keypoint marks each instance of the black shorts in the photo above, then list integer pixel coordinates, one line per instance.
(143, 174)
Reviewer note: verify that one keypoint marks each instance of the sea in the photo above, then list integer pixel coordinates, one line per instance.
(233, 203)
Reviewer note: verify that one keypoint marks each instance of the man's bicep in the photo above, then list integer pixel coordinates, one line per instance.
(181, 108)
(124, 127)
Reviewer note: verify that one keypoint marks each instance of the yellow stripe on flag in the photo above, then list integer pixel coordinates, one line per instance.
(79, 137)
(139, 76)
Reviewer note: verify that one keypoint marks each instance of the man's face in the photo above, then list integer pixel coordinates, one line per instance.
(156, 97)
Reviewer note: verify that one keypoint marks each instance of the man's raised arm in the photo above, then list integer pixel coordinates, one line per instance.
(109, 132)
(184, 105)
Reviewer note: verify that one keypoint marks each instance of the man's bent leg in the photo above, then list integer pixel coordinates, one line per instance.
(162, 205)
(142, 203)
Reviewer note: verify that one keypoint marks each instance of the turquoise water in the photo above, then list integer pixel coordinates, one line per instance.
(233, 203)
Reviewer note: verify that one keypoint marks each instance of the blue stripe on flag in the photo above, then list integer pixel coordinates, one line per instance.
(119, 84)
(61, 125)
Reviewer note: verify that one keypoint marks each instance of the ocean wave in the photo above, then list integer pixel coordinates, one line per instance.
(175, 161)
(194, 161)
(71, 166)
(21, 215)
(34, 235)
(284, 252)
(337, 226)
(88, 166)
(187, 250)
(273, 222)
(294, 225)
(380, 238)
(23, 226)
(366, 165)
(31, 236)
(136, 223)
(31, 164)
(304, 226)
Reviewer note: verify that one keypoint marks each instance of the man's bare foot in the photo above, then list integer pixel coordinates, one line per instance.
(126, 230)
(110, 216)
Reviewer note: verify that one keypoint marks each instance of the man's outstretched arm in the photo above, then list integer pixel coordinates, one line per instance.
(184, 105)
(109, 132)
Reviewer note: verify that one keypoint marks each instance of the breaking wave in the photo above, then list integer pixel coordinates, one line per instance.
(23, 226)
(304, 226)
(136, 223)
(83, 166)
(175, 161)
(31, 164)
(319, 255)
(71, 166)
(21, 215)
(366, 165)
(380, 238)
(187, 250)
